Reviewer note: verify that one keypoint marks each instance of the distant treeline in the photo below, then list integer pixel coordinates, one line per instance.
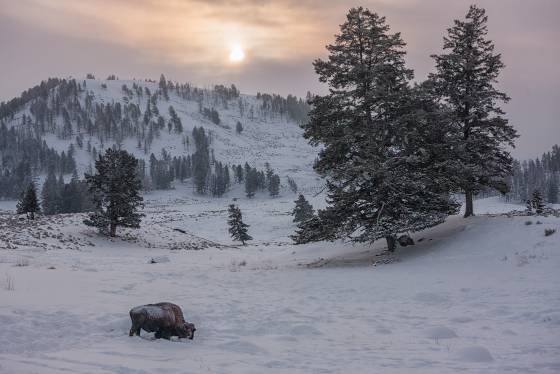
(541, 174)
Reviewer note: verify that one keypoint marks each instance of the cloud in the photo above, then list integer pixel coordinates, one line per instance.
(189, 40)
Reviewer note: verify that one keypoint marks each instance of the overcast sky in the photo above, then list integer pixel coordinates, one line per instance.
(190, 40)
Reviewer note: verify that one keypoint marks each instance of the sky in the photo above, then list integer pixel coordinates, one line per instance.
(191, 41)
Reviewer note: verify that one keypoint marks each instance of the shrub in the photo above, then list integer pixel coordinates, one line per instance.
(548, 232)
(527, 223)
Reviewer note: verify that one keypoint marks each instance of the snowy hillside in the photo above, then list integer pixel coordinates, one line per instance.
(476, 295)
(271, 133)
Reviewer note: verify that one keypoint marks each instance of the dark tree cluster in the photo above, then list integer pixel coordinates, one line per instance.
(60, 197)
(290, 107)
(257, 180)
(23, 154)
(541, 175)
(211, 114)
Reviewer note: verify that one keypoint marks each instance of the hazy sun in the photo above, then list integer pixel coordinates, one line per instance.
(236, 54)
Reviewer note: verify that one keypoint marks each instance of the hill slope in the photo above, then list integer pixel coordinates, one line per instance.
(134, 115)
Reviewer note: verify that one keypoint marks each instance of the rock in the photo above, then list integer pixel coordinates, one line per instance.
(405, 240)
(158, 260)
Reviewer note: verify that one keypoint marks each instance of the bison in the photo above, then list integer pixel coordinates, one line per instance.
(165, 319)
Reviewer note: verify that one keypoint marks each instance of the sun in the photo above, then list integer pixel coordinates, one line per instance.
(236, 54)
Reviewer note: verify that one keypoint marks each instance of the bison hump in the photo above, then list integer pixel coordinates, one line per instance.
(151, 311)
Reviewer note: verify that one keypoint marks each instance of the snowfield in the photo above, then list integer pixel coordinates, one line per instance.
(478, 295)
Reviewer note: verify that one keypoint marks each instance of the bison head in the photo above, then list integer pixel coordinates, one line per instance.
(186, 330)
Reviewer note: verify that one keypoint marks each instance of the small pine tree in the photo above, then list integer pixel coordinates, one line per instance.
(115, 190)
(529, 206)
(238, 127)
(552, 189)
(303, 210)
(537, 202)
(274, 185)
(50, 194)
(29, 204)
(237, 228)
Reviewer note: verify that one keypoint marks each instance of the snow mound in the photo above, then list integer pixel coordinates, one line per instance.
(475, 354)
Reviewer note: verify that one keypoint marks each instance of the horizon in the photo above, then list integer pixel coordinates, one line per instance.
(276, 42)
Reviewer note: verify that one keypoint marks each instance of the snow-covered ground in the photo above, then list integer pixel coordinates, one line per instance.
(478, 295)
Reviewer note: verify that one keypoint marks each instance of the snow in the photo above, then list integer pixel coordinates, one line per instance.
(477, 295)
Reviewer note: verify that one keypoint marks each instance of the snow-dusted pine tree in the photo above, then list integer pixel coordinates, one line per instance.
(116, 192)
(50, 195)
(465, 78)
(303, 210)
(29, 204)
(237, 228)
(375, 144)
(274, 185)
(537, 202)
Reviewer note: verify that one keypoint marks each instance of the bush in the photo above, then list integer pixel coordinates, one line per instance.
(548, 232)
(527, 223)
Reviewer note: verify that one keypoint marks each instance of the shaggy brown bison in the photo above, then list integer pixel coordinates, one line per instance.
(165, 319)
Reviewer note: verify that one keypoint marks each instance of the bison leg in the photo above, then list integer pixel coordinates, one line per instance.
(163, 333)
(134, 330)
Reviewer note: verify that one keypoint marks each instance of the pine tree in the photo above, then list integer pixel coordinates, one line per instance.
(303, 210)
(537, 202)
(553, 189)
(274, 185)
(115, 190)
(238, 127)
(29, 204)
(49, 194)
(370, 126)
(251, 181)
(163, 87)
(464, 79)
(237, 229)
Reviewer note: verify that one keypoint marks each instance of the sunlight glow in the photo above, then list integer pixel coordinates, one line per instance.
(236, 54)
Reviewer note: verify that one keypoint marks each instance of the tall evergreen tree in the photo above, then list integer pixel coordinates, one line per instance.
(465, 78)
(552, 189)
(237, 229)
(50, 194)
(537, 202)
(274, 185)
(377, 180)
(29, 204)
(115, 190)
(303, 210)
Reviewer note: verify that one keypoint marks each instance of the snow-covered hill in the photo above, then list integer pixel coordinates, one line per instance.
(270, 134)
(477, 295)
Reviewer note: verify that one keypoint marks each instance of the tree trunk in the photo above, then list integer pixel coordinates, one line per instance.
(391, 243)
(113, 230)
(469, 210)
